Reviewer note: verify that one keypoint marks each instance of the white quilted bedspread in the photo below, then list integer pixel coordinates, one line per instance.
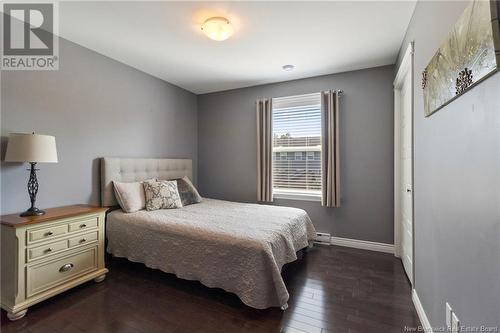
(238, 247)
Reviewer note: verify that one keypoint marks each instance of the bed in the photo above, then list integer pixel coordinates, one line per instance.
(238, 247)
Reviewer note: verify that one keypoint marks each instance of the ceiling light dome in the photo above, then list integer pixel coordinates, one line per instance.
(217, 28)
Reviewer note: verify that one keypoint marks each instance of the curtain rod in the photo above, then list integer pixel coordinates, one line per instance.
(338, 91)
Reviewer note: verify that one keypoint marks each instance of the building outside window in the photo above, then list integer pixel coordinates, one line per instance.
(297, 147)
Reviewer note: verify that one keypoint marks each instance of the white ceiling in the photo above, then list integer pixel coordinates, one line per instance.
(164, 38)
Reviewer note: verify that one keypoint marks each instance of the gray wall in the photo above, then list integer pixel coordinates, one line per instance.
(227, 150)
(94, 106)
(457, 186)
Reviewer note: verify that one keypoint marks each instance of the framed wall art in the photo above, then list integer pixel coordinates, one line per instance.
(470, 54)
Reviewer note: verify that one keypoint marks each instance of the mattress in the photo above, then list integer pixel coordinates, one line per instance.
(238, 247)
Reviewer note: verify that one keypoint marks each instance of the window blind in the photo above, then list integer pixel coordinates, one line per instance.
(297, 144)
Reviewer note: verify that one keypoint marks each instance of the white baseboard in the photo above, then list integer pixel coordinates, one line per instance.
(426, 325)
(361, 244)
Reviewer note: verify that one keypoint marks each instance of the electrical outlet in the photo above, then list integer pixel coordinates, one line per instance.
(455, 323)
(449, 311)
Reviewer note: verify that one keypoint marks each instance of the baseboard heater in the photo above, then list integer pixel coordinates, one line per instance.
(323, 238)
(326, 239)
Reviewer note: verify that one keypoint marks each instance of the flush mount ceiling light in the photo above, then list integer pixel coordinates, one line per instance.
(288, 68)
(217, 28)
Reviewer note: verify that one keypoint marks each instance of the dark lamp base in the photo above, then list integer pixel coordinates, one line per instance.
(33, 211)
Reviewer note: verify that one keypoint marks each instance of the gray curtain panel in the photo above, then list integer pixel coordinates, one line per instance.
(264, 150)
(330, 150)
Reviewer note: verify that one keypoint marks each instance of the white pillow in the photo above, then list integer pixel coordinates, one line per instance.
(130, 196)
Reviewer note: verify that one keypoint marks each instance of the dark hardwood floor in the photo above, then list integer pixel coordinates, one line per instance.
(332, 289)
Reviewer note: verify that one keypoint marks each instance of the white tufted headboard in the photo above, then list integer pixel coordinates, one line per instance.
(137, 169)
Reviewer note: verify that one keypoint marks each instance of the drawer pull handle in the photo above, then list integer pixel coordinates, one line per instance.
(83, 225)
(83, 240)
(49, 233)
(65, 268)
(48, 250)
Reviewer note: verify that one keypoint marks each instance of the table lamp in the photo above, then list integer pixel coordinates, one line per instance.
(32, 148)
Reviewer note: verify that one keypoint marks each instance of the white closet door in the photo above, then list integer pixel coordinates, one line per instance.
(405, 173)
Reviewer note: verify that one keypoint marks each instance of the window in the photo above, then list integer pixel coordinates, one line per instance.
(297, 147)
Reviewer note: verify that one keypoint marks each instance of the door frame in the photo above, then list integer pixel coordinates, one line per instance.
(406, 67)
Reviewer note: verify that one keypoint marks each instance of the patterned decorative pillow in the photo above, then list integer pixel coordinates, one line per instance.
(162, 194)
(188, 193)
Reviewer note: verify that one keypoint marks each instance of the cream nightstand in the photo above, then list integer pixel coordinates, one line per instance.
(45, 255)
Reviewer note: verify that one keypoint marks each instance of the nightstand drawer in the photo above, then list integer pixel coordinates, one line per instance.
(49, 274)
(47, 233)
(83, 239)
(45, 255)
(83, 224)
(47, 249)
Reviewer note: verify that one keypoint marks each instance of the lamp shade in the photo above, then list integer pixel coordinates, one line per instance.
(23, 147)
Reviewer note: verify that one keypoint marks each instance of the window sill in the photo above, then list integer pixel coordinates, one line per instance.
(290, 195)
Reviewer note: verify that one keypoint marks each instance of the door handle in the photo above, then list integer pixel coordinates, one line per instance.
(65, 268)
